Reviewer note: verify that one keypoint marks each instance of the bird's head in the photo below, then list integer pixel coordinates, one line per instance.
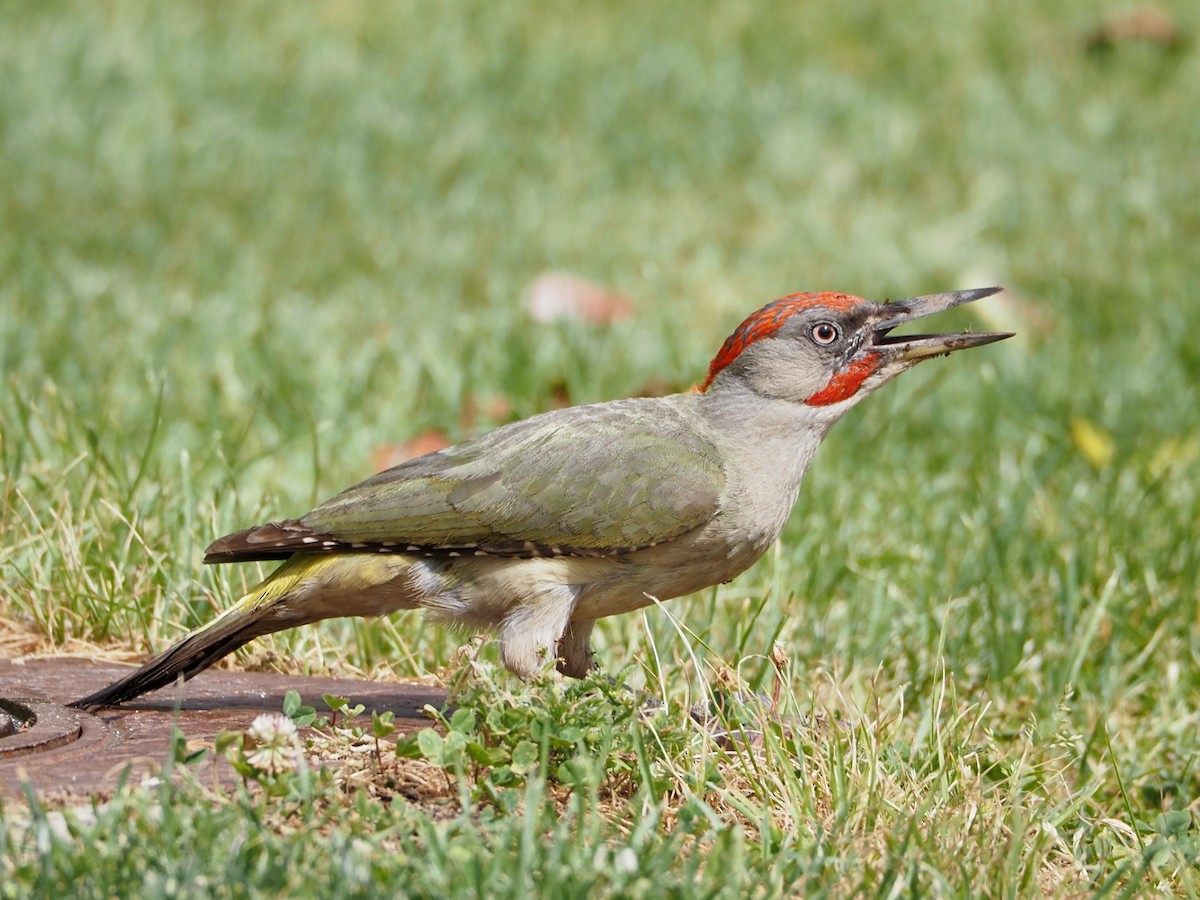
(829, 350)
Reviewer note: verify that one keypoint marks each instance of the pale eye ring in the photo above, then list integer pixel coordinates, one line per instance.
(824, 333)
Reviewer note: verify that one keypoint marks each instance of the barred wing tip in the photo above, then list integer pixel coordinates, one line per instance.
(274, 540)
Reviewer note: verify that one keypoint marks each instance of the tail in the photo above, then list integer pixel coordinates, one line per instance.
(276, 604)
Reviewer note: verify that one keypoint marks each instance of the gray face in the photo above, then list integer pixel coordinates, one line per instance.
(808, 352)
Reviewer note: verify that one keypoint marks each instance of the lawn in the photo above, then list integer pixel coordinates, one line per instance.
(246, 248)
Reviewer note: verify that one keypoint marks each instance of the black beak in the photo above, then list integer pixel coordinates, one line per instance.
(915, 347)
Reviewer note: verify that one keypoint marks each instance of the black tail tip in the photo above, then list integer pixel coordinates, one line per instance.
(108, 696)
(135, 684)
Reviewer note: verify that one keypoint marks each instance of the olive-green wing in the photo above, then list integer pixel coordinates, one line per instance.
(590, 480)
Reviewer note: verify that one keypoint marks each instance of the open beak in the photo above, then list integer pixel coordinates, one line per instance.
(915, 347)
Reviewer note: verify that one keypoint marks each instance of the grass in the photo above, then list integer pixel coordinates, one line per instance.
(244, 245)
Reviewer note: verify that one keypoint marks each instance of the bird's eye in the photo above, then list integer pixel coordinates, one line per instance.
(824, 333)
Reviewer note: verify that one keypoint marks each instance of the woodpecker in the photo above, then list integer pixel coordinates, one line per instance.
(539, 528)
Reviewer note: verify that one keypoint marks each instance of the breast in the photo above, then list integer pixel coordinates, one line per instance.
(700, 559)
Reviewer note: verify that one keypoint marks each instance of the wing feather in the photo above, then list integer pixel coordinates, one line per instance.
(590, 480)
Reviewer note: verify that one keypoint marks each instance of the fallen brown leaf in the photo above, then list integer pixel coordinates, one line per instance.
(557, 295)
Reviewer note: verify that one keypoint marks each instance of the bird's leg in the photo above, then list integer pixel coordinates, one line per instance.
(531, 630)
(575, 648)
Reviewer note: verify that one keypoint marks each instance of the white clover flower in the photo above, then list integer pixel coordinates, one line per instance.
(626, 861)
(279, 748)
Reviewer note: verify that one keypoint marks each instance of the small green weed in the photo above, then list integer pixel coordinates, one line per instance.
(574, 733)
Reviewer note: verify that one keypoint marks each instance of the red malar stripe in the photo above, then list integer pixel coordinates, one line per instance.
(845, 385)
